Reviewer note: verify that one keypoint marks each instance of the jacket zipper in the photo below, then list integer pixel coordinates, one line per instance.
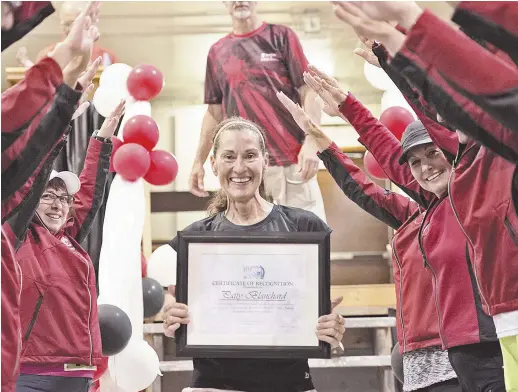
(510, 229)
(427, 265)
(34, 316)
(468, 238)
(89, 306)
(89, 312)
(400, 291)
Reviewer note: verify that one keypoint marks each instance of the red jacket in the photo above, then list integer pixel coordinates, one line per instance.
(11, 336)
(480, 192)
(461, 320)
(417, 322)
(26, 17)
(483, 186)
(479, 97)
(58, 313)
(491, 21)
(35, 118)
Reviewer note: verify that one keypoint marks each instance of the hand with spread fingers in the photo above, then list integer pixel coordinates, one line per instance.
(175, 314)
(367, 54)
(85, 80)
(331, 327)
(327, 89)
(402, 12)
(365, 26)
(303, 120)
(110, 123)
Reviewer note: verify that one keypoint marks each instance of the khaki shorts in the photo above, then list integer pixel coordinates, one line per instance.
(286, 188)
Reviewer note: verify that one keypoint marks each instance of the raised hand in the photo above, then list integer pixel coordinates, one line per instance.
(367, 54)
(83, 32)
(365, 26)
(327, 89)
(111, 122)
(318, 137)
(398, 11)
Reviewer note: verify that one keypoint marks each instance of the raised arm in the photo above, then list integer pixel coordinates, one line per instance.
(476, 97)
(386, 206)
(492, 21)
(94, 176)
(385, 148)
(23, 156)
(373, 134)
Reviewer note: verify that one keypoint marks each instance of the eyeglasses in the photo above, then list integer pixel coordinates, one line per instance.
(50, 198)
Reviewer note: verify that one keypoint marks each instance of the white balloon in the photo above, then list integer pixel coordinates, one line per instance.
(393, 97)
(115, 75)
(106, 99)
(161, 266)
(377, 77)
(136, 367)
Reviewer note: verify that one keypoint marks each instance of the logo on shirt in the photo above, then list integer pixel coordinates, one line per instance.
(255, 272)
(269, 57)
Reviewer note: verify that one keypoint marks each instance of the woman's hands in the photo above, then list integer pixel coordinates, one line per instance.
(175, 314)
(305, 123)
(331, 328)
(111, 122)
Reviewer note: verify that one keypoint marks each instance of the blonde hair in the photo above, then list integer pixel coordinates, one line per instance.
(219, 201)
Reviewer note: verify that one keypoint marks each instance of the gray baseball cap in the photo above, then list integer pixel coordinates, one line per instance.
(415, 135)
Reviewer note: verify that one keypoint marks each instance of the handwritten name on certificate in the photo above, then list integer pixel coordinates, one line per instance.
(251, 294)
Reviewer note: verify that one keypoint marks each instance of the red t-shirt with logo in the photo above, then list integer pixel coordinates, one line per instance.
(244, 74)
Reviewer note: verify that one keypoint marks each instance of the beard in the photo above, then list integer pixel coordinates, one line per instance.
(242, 13)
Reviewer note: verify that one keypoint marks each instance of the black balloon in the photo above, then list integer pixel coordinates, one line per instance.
(153, 294)
(115, 328)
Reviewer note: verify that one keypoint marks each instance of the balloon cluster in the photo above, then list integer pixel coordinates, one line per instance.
(133, 156)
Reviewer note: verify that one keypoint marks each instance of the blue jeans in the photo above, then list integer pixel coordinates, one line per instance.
(36, 383)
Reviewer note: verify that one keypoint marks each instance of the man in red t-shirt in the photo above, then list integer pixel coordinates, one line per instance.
(245, 70)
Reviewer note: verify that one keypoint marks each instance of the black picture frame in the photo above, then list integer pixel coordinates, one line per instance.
(322, 239)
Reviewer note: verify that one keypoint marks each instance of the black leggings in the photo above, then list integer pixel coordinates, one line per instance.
(445, 386)
(479, 367)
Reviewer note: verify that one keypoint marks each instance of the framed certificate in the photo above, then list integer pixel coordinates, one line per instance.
(253, 295)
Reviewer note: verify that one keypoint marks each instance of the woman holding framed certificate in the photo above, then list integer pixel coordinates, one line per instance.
(240, 207)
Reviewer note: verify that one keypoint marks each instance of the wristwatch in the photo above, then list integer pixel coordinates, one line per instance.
(100, 138)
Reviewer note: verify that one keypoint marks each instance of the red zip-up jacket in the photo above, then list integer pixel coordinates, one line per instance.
(27, 111)
(473, 90)
(491, 21)
(58, 313)
(460, 315)
(417, 321)
(26, 17)
(483, 186)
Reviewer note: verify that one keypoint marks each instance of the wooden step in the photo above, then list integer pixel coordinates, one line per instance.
(339, 362)
(350, 322)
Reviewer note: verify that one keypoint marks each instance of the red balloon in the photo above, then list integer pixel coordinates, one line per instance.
(372, 167)
(163, 169)
(131, 161)
(141, 129)
(145, 82)
(143, 265)
(396, 119)
(101, 368)
(116, 142)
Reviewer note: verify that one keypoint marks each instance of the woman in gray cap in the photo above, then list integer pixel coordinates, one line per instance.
(442, 290)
